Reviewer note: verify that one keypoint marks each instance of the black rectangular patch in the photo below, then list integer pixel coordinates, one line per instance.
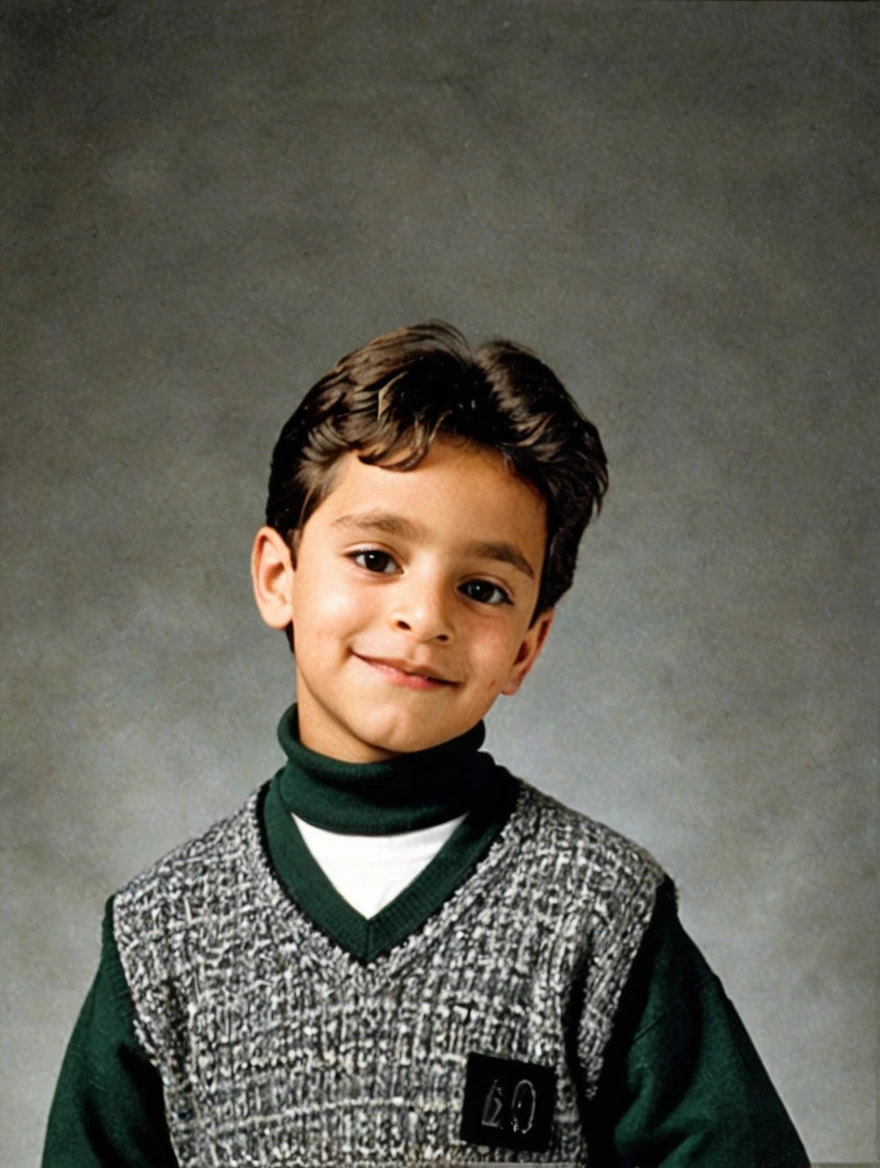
(508, 1104)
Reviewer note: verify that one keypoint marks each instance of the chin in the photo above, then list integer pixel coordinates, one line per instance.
(393, 744)
(399, 738)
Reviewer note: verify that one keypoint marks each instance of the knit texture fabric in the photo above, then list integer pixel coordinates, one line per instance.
(277, 1047)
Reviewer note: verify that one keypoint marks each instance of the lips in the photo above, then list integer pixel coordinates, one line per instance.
(406, 673)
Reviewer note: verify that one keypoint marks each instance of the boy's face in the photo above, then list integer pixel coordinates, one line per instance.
(411, 600)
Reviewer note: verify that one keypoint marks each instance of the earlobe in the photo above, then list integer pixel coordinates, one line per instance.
(528, 653)
(272, 574)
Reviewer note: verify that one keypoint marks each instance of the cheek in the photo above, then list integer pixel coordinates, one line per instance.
(497, 656)
(330, 611)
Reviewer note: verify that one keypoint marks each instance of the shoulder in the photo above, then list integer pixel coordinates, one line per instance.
(589, 847)
(191, 882)
(188, 863)
(590, 878)
(177, 913)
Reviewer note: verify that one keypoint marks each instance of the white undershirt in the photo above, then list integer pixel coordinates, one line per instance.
(369, 871)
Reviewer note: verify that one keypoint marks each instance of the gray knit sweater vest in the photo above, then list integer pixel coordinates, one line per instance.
(276, 1047)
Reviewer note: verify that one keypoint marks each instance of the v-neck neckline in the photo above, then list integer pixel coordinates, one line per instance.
(365, 939)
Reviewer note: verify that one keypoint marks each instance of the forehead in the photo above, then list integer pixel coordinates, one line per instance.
(459, 489)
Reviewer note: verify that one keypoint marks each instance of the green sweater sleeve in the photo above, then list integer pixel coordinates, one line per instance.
(683, 1086)
(108, 1107)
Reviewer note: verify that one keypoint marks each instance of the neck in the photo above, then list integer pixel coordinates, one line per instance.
(403, 793)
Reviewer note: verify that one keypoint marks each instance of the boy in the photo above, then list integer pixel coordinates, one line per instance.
(397, 953)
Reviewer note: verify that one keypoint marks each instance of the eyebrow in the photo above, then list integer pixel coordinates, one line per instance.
(391, 524)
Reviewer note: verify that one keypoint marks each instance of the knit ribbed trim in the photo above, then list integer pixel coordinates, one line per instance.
(405, 793)
(366, 939)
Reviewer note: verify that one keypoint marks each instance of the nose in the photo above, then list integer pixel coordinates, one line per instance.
(422, 609)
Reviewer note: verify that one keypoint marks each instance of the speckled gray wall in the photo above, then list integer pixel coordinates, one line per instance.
(203, 205)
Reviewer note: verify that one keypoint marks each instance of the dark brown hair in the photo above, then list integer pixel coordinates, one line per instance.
(389, 400)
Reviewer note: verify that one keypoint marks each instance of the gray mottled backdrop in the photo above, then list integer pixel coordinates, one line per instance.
(204, 204)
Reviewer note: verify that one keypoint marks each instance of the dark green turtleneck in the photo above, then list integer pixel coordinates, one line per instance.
(405, 793)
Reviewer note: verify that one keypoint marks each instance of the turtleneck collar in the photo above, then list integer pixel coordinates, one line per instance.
(404, 793)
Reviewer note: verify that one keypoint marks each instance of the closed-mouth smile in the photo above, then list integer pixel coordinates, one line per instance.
(405, 673)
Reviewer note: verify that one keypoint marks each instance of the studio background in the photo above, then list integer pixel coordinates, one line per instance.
(203, 205)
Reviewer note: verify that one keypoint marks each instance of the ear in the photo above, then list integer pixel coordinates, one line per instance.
(528, 652)
(272, 574)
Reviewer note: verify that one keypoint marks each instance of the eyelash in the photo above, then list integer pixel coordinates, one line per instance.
(363, 553)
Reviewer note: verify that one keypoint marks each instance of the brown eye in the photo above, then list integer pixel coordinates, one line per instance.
(374, 561)
(485, 593)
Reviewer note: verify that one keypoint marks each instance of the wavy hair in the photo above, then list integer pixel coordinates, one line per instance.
(388, 401)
